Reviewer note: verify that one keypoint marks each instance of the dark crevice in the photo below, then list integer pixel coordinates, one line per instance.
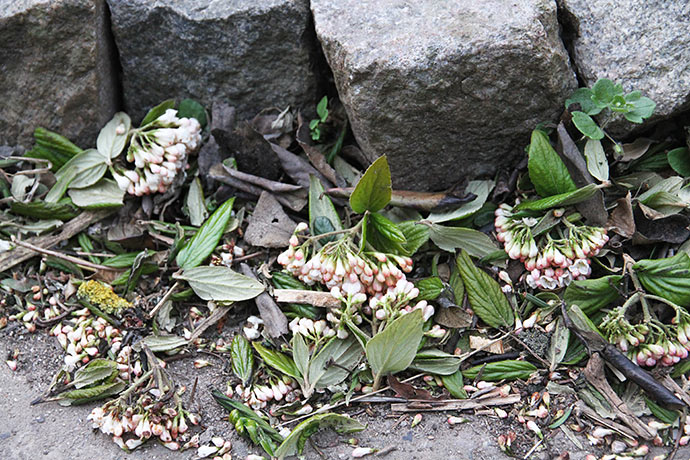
(325, 84)
(114, 56)
(569, 29)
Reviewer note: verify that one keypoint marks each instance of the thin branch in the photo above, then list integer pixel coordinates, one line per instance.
(59, 255)
(165, 298)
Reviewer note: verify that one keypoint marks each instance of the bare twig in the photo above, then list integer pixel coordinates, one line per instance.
(59, 255)
(455, 404)
(315, 298)
(165, 298)
(18, 255)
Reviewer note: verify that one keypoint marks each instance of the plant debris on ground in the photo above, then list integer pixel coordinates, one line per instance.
(554, 297)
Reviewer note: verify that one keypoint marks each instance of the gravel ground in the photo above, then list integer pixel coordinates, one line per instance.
(50, 431)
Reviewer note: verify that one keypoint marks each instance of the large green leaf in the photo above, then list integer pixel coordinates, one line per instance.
(220, 284)
(90, 166)
(587, 126)
(416, 235)
(206, 239)
(113, 137)
(668, 278)
(436, 362)
(277, 360)
(564, 199)
(597, 164)
(63, 209)
(321, 207)
(449, 239)
(484, 293)
(501, 370)
(95, 371)
(594, 294)
(481, 188)
(373, 191)
(393, 349)
(103, 194)
(547, 171)
(334, 362)
(242, 359)
(679, 160)
(294, 443)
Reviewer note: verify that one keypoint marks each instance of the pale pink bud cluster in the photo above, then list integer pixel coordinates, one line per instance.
(311, 329)
(130, 427)
(552, 264)
(83, 336)
(252, 328)
(219, 448)
(339, 264)
(159, 152)
(397, 301)
(258, 396)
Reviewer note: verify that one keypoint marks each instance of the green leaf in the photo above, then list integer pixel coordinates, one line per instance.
(103, 194)
(322, 108)
(665, 415)
(679, 160)
(597, 164)
(484, 294)
(373, 191)
(195, 203)
(481, 188)
(56, 143)
(278, 361)
(294, 443)
(587, 126)
(449, 239)
(644, 108)
(415, 236)
(94, 372)
(330, 365)
(157, 111)
(564, 199)
(63, 209)
(90, 167)
(594, 294)
(429, 288)
(393, 349)
(206, 239)
(384, 235)
(94, 393)
(454, 383)
(436, 362)
(501, 370)
(122, 260)
(113, 137)
(583, 96)
(162, 343)
(558, 344)
(547, 171)
(300, 355)
(189, 108)
(220, 284)
(321, 207)
(604, 90)
(60, 187)
(562, 419)
(242, 359)
(668, 278)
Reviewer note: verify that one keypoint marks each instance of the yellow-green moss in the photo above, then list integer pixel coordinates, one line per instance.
(102, 296)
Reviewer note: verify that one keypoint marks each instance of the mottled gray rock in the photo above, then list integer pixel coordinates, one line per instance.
(446, 88)
(55, 69)
(645, 46)
(251, 54)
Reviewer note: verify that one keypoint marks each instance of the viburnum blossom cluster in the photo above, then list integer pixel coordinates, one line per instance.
(355, 277)
(257, 395)
(131, 426)
(159, 151)
(84, 336)
(649, 343)
(552, 263)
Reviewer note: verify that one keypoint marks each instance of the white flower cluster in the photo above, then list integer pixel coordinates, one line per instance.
(159, 151)
(311, 329)
(257, 396)
(398, 301)
(83, 337)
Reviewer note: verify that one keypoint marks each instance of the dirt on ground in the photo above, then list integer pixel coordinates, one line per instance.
(47, 430)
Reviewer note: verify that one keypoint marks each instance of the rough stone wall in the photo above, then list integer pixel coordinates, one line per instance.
(446, 88)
